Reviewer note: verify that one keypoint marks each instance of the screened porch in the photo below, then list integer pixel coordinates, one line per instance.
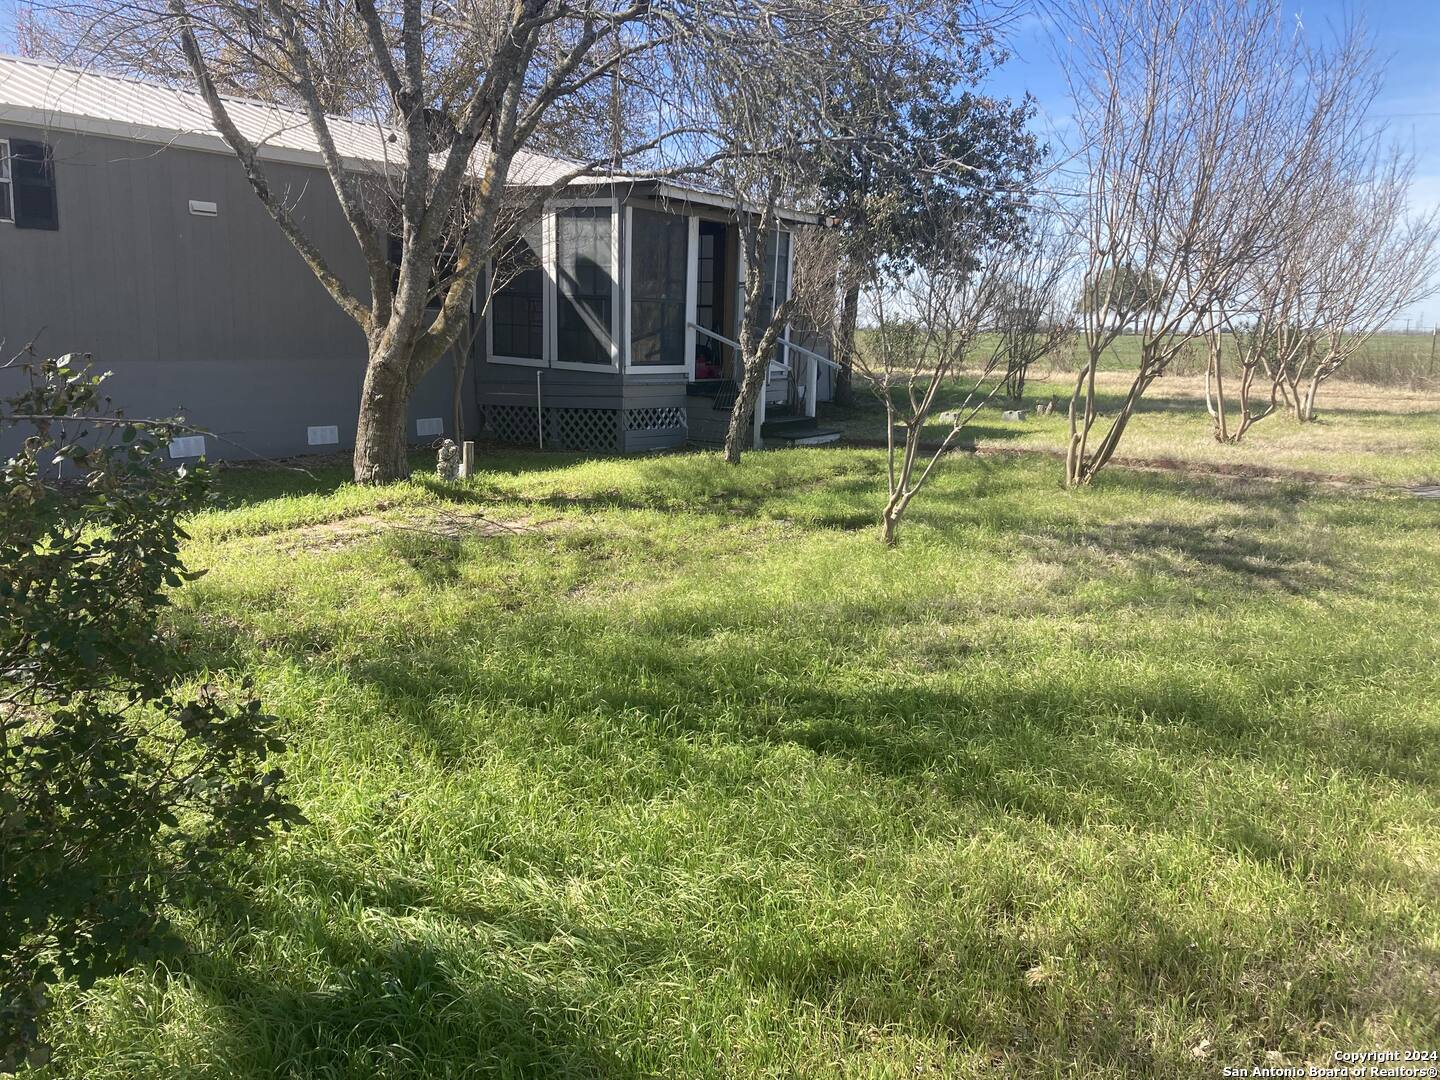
(612, 326)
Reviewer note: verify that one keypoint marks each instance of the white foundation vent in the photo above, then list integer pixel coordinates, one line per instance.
(323, 435)
(429, 425)
(201, 208)
(188, 446)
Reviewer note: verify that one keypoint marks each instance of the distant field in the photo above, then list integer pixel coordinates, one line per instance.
(1387, 359)
(1408, 360)
(1366, 433)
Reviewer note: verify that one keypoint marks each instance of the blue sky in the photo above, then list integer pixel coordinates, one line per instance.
(1406, 34)
(1407, 38)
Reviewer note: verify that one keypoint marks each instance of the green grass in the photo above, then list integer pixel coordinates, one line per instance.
(690, 777)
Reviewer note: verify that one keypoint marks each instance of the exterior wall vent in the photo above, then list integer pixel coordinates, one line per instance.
(323, 435)
(430, 425)
(188, 446)
(200, 208)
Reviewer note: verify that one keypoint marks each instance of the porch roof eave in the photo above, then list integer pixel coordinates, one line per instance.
(677, 191)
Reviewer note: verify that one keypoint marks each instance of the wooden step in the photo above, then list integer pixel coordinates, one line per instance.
(798, 431)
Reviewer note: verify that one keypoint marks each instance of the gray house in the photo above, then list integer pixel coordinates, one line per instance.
(128, 230)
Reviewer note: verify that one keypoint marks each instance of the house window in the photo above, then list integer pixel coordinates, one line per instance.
(7, 212)
(658, 265)
(585, 280)
(32, 186)
(517, 308)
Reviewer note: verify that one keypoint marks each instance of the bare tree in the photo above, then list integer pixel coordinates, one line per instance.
(765, 130)
(948, 326)
(1179, 109)
(1034, 315)
(1374, 259)
(1266, 324)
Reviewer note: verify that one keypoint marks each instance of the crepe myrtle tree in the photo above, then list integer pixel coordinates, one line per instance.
(763, 320)
(1375, 258)
(1032, 317)
(1194, 137)
(1345, 256)
(508, 64)
(953, 325)
(765, 131)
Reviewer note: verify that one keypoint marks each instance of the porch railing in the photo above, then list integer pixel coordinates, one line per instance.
(780, 367)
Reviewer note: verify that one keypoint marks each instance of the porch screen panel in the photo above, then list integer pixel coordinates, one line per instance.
(658, 263)
(775, 279)
(518, 306)
(775, 272)
(586, 281)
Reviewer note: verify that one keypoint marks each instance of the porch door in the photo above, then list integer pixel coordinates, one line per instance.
(711, 359)
(774, 291)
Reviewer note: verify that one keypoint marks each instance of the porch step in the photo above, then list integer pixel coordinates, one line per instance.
(797, 431)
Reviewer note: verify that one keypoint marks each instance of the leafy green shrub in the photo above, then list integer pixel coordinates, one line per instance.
(115, 793)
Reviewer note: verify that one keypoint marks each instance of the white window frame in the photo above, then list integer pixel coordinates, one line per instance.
(6, 179)
(552, 285)
(547, 304)
(692, 276)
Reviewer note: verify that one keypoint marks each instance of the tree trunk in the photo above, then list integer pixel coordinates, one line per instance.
(890, 525)
(740, 433)
(1305, 409)
(380, 442)
(1222, 428)
(845, 346)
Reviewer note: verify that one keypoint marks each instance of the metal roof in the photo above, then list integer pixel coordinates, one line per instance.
(59, 98)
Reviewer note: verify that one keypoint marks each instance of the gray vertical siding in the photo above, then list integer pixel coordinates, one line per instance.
(216, 317)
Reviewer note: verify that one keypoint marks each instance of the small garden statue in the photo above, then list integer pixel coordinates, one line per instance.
(447, 462)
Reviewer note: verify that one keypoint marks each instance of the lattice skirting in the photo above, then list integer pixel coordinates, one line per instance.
(565, 429)
(512, 423)
(658, 418)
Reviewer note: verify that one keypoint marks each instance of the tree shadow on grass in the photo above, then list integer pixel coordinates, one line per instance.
(1246, 556)
(403, 1008)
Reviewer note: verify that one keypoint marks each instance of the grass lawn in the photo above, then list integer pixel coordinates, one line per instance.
(661, 768)
(1383, 435)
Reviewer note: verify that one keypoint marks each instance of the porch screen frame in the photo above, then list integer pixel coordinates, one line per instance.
(7, 189)
(740, 281)
(546, 304)
(552, 284)
(692, 273)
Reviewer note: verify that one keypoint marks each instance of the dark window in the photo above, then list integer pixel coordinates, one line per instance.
(32, 178)
(517, 326)
(6, 213)
(658, 262)
(711, 291)
(586, 283)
